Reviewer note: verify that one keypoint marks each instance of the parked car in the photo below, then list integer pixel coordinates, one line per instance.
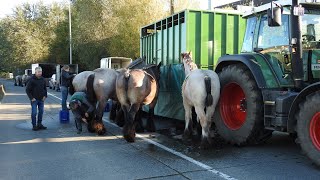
(25, 78)
(53, 83)
(18, 80)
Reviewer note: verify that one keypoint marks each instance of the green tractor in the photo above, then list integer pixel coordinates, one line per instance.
(273, 85)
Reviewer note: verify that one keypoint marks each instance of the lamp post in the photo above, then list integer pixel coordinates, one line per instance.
(70, 36)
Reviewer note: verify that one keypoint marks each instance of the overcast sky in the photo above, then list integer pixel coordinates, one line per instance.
(6, 6)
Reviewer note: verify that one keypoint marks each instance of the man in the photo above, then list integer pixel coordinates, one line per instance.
(65, 83)
(37, 92)
(81, 108)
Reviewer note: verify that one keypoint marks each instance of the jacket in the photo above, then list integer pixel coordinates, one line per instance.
(36, 88)
(82, 97)
(66, 78)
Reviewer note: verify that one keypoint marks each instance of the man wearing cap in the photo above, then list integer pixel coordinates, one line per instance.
(37, 92)
(81, 108)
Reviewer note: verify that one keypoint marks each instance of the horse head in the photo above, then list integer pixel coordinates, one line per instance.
(188, 63)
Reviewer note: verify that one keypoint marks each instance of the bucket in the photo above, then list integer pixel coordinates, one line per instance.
(108, 106)
(64, 116)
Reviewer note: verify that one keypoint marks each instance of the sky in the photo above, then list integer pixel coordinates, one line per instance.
(6, 6)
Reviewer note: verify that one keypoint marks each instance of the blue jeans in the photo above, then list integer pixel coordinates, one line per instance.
(40, 105)
(64, 93)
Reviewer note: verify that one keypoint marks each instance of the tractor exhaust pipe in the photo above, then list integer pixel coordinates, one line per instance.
(296, 49)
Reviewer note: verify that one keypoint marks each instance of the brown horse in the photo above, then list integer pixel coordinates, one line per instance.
(136, 87)
(117, 114)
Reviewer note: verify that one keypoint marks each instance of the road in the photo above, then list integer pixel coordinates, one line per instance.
(60, 153)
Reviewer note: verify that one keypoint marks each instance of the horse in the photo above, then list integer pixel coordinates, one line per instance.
(116, 113)
(201, 90)
(99, 85)
(135, 88)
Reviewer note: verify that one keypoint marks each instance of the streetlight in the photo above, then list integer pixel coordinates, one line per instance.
(70, 37)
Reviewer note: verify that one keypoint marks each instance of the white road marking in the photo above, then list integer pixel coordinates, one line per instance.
(202, 165)
(198, 163)
(54, 96)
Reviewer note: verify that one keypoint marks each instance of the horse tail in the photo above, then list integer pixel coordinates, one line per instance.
(91, 95)
(71, 87)
(209, 98)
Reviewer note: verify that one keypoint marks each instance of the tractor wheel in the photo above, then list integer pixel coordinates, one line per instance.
(239, 113)
(308, 127)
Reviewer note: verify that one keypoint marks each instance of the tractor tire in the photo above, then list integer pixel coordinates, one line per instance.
(239, 113)
(308, 127)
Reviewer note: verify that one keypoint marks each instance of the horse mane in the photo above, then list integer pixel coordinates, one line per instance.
(136, 62)
(148, 66)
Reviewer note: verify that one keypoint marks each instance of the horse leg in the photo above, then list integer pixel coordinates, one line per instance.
(138, 120)
(113, 111)
(196, 122)
(99, 126)
(120, 119)
(188, 125)
(150, 122)
(205, 124)
(129, 128)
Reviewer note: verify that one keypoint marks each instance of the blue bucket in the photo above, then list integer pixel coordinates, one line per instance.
(108, 106)
(64, 116)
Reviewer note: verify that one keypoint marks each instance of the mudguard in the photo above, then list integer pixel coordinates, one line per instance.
(256, 63)
(296, 102)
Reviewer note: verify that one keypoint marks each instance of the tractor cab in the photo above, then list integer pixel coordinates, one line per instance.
(272, 31)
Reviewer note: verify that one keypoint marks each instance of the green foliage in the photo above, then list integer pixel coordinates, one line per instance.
(100, 28)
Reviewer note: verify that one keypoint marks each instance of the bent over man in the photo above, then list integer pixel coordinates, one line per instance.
(81, 108)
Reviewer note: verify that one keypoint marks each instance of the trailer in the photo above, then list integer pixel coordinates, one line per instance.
(48, 69)
(115, 62)
(208, 34)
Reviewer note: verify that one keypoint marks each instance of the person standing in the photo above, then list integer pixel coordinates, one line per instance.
(66, 78)
(37, 92)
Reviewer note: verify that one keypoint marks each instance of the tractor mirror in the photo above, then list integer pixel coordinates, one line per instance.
(274, 16)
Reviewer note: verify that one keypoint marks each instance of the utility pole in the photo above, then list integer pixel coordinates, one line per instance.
(171, 7)
(70, 37)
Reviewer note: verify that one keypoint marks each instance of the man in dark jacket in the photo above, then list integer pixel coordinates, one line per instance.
(66, 78)
(37, 92)
(81, 108)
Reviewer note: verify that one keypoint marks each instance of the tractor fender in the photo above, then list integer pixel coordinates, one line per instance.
(296, 102)
(246, 59)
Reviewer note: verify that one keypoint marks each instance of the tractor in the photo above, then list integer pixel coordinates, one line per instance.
(273, 85)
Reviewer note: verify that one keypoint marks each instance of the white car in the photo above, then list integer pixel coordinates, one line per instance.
(53, 83)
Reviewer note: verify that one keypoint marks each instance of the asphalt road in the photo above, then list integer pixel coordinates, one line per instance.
(60, 153)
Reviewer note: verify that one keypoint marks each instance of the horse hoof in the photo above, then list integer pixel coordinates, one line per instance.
(128, 138)
(101, 132)
(187, 134)
(100, 129)
(205, 143)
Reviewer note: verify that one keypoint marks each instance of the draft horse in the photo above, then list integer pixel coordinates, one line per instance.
(201, 90)
(135, 88)
(99, 86)
(116, 113)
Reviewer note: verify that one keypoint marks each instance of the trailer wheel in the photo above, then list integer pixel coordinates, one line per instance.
(308, 127)
(239, 114)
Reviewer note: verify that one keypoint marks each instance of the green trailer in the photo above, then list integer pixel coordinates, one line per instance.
(208, 34)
